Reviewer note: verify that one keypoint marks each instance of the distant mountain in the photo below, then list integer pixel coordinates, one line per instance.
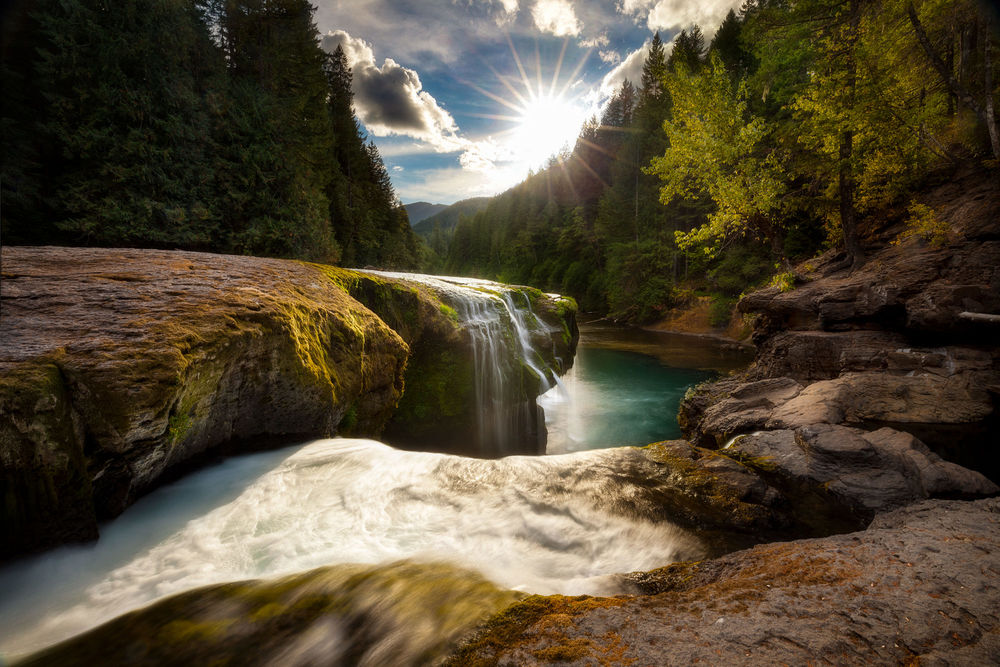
(446, 219)
(421, 210)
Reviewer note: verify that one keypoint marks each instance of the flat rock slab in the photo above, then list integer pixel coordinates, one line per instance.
(921, 583)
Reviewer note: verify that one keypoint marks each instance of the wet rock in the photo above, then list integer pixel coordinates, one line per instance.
(949, 412)
(919, 585)
(124, 368)
(808, 356)
(438, 411)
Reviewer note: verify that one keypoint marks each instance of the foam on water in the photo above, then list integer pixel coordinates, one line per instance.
(533, 523)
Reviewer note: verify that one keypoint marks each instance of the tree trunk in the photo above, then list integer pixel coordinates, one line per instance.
(986, 115)
(991, 117)
(846, 185)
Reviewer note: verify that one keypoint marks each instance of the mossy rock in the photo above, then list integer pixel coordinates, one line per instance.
(437, 411)
(401, 613)
(44, 483)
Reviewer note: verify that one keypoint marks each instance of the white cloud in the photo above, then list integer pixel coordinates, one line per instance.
(630, 68)
(556, 17)
(680, 14)
(450, 184)
(610, 57)
(597, 42)
(635, 7)
(509, 6)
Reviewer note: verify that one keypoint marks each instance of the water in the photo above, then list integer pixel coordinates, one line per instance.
(626, 385)
(539, 524)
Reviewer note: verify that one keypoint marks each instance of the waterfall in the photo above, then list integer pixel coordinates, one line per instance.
(509, 371)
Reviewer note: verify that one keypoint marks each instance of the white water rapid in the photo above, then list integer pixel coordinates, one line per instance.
(538, 524)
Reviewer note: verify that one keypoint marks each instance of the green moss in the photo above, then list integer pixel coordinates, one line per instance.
(523, 623)
(349, 420)
(177, 426)
(440, 382)
(448, 312)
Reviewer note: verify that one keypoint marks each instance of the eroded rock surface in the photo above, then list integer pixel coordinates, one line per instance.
(920, 584)
(396, 614)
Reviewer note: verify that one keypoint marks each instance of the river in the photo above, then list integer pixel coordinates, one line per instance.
(537, 524)
(626, 385)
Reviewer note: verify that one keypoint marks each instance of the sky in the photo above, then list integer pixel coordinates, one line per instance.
(464, 97)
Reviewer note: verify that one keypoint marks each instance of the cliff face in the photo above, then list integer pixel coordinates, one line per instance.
(121, 368)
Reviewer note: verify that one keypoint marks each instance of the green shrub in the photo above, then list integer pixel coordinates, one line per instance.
(926, 225)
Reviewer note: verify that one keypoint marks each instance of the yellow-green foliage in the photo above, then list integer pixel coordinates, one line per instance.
(715, 149)
(785, 282)
(925, 224)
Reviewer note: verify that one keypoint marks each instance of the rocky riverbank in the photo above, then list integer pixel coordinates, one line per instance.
(120, 369)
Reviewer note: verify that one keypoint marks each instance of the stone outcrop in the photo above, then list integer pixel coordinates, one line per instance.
(120, 369)
(889, 345)
(919, 585)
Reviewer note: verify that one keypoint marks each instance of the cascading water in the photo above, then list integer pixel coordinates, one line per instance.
(509, 371)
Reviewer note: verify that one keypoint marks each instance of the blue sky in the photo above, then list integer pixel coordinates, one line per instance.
(463, 97)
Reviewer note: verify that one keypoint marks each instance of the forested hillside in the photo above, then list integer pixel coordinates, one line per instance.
(208, 125)
(789, 132)
(437, 229)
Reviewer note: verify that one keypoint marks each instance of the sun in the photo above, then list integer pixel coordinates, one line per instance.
(546, 124)
(539, 118)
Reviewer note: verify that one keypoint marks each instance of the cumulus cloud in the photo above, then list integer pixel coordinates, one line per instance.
(597, 42)
(390, 99)
(610, 57)
(556, 17)
(680, 14)
(509, 6)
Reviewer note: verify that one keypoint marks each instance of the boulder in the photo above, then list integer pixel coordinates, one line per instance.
(860, 473)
